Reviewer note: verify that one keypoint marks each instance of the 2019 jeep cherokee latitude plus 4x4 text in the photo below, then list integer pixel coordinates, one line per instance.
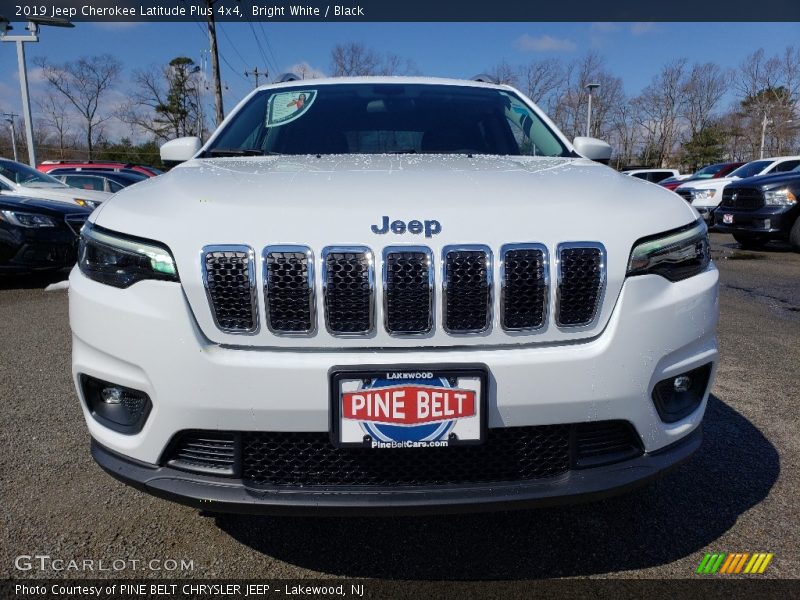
(391, 293)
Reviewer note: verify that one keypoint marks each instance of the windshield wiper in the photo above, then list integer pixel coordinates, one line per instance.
(406, 151)
(240, 152)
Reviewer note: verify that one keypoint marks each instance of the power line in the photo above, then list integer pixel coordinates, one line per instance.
(230, 41)
(260, 47)
(276, 65)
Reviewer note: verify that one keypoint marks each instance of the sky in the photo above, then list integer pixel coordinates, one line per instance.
(633, 51)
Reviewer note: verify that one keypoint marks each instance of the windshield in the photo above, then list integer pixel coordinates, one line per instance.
(27, 176)
(751, 169)
(386, 118)
(708, 172)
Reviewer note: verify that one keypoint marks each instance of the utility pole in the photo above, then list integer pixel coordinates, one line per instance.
(256, 73)
(764, 123)
(212, 40)
(10, 119)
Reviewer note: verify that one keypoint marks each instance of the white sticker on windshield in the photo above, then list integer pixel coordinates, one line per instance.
(285, 107)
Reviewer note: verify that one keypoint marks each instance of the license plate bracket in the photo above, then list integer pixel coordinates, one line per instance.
(408, 406)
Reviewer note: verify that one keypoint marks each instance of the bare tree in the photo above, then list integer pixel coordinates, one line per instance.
(56, 117)
(703, 88)
(541, 80)
(84, 83)
(167, 100)
(660, 107)
(354, 59)
(503, 72)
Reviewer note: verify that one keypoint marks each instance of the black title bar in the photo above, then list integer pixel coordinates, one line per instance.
(403, 10)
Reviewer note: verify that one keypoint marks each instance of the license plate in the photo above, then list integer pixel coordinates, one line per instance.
(408, 407)
(727, 219)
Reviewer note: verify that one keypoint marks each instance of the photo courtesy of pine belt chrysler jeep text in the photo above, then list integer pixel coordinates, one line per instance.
(401, 294)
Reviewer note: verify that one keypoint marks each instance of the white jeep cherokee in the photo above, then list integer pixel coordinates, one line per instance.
(391, 293)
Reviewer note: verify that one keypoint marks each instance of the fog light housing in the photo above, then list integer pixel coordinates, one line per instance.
(680, 395)
(117, 407)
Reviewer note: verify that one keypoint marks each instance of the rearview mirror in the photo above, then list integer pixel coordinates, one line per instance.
(180, 150)
(593, 149)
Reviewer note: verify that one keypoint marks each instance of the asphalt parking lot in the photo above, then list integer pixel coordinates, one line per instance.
(737, 494)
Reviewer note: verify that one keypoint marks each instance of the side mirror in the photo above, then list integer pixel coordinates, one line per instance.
(593, 149)
(180, 150)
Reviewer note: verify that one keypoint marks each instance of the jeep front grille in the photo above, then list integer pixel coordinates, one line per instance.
(349, 290)
(405, 300)
(229, 279)
(467, 288)
(581, 278)
(408, 290)
(523, 284)
(289, 289)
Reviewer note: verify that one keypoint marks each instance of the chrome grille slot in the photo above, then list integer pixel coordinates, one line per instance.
(408, 290)
(467, 288)
(289, 289)
(524, 286)
(581, 281)
(349, 289)
(229, 279)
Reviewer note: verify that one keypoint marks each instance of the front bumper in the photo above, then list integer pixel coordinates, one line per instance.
(218, 494)
(772, 222)
(145, 338)
(23, 250)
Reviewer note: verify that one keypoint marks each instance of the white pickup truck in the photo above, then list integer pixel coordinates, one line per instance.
(391, 294)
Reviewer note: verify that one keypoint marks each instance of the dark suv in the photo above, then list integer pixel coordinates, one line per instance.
(760, 209)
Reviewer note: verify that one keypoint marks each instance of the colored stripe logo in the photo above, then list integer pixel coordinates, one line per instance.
(733, 563)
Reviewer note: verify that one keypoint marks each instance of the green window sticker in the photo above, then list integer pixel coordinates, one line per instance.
(285, 107)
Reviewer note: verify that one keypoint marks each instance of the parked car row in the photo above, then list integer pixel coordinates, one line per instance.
(42, 210)
(755, 201)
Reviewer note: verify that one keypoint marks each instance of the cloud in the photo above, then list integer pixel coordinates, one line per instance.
(544, 43)
(605, 27)
(305, 70)
(642, 28)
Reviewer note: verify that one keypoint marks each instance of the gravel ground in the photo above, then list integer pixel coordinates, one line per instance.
(738, 493)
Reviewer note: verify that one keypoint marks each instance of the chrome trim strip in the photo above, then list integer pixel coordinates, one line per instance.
(601, 285)
(326, 251)
(251, 274)
(545, 276)
(489, 279)
(312, 296)
(431, 288)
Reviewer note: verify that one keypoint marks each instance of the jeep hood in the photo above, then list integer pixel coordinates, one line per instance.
(335, 200)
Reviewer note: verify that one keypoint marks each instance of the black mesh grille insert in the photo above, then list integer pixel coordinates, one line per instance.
(348, 291)
(525, 287)
(468, 292)
(310, 459)
(288, 291)
(408, 292)
(742, 199)
(685, 194)
(230, 289)
(580, 285)
(603, 442)
(302, 459)
(211, 451)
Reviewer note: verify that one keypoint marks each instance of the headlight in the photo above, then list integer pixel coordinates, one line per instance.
(120, 260)
(87, 203)
(23, 219)
(703, 194)
(779, 197)
(675, 255)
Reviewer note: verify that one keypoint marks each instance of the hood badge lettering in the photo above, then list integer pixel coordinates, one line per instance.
(429, 227)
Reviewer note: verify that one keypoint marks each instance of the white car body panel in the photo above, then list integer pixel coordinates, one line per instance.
(66, 194)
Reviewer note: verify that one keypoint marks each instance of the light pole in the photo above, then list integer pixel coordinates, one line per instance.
(591, 87)
(764, 123)
(33, 36)
(10, 120)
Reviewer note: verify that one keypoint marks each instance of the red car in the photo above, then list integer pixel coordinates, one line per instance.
(53, 166)
(709, 172)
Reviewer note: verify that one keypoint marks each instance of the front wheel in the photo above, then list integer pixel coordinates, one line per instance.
(794, 235)
(751, 241)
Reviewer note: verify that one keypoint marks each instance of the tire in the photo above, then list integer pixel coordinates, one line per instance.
(794, 235)
(751, 241)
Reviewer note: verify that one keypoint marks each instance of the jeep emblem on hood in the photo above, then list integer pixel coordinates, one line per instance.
(430, 228)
